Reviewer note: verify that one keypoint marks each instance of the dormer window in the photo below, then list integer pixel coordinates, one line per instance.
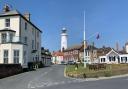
(7, 22)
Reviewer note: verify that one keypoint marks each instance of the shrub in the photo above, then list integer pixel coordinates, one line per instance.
(107, 74)
(41, 65)
(9, 70)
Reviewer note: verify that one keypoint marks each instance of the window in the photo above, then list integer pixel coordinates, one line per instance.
(25, 40)
(32, 31)
(24, 56)
(11, 37)
(123, 59)
(5, 56)
(25, 26)
(37, 33)
(16, 56)
(86, 53)
(7, 22)
(112, 58)
(32, 44)
(102, 59)
(4, 37)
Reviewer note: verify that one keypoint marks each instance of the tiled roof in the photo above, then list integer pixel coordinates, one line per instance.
(17, 13)
(103, 51)
(12, 12)
(89, 47)
(123, 52)
(75, 47)
(57, 53)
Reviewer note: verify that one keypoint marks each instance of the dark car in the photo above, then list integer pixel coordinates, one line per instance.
(71, 62)
(63, 63)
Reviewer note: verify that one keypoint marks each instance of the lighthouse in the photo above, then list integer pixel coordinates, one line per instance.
(63, 39)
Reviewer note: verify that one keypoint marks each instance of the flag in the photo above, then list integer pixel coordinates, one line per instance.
(98, 36)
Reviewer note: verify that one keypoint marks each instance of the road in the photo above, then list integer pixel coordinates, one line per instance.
(53, 78)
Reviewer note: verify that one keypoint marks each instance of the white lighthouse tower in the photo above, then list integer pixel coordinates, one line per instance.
(64, 39)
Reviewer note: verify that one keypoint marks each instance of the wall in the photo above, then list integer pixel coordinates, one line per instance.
(31, 34)
(10, 47)
(14, 23)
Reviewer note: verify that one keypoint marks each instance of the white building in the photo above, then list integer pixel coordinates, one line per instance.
(113, 57)
(57, 57)
(20, 39)
(63, 39)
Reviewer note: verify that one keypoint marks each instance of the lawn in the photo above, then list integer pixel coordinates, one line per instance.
(110, 70)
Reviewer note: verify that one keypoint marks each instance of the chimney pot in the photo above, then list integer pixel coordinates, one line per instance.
(27, 16)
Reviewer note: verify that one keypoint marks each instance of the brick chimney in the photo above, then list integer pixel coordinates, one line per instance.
(27, 16)
(6, 8)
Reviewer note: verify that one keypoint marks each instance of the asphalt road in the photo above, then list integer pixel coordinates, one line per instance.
(53, 78)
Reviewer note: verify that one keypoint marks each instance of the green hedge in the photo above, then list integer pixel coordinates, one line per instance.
(9, 70)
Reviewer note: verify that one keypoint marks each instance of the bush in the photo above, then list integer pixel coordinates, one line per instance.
(107, 74)
(31, 65)
(41, 65)
(9, 70)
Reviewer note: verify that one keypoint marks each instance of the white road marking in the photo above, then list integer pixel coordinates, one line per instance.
(62, 82)
(50, 83)
(30, 84)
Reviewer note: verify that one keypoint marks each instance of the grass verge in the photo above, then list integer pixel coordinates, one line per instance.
(110, 70)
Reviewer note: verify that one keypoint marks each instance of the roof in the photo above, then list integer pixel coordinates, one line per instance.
(123, 52)
(103, 51)
(12, 12)
(17, 13)
(89, 47)
(74, 47)
(7, 29)
(58, 53)
(126, 43)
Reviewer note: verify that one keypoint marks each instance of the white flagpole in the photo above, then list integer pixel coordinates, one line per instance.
(84, 43)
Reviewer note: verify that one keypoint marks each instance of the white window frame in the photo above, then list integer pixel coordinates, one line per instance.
(7, 22)
(16, 56)
(5, 56)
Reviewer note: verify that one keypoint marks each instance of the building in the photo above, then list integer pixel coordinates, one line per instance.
(20, 39)
(46, 57)
(113, 57)
(72, 53)
(90, 54)
(57, 57)
(63, 39)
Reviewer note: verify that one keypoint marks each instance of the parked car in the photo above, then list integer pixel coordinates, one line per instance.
(63, 63)
(71, 62)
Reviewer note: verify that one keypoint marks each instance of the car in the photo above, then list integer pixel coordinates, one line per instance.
(71, 62)
(63, 63)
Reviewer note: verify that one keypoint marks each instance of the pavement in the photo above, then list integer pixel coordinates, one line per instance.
(53, 78)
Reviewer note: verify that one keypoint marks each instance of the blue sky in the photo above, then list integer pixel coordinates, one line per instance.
(107, 17)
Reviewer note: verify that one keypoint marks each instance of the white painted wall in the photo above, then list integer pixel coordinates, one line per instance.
(31, 34)
(63, 41)
(10, 47)
(103, 57)
(17, 24)
(126, 48)
(112, 54)
(14, 23)
(124, 55)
